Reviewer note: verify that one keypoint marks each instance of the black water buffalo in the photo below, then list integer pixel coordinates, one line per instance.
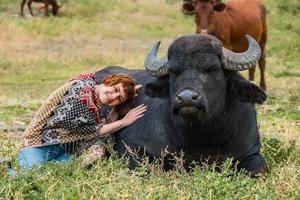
(197, 104)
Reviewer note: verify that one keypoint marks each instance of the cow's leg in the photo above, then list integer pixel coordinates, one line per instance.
(29, 7)
(252, 73)
(262, 44)
(46, 8)
(55, 7)
(22, 7)
(46, 2)
(255, 164)
(262, 63)
(262, 60)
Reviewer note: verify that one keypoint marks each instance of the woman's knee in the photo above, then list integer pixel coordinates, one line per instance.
(30, 157)
(63, 157)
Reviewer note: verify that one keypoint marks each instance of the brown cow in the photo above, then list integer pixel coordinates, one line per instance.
(230, 23)
(53, 3)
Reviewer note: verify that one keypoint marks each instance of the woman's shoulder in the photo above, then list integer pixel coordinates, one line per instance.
(89, 78)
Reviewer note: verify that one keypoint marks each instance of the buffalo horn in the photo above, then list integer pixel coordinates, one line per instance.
(242, 61)
(156, 67)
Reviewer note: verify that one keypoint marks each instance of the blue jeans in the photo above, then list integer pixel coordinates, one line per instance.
(37, 156)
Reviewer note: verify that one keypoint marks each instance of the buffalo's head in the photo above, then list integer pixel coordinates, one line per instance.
(204, 11)
(198, 75)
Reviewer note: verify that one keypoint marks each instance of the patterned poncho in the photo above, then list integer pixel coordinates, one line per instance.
(70, 115)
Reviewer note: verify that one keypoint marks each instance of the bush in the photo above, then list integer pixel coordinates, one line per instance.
(277, 152)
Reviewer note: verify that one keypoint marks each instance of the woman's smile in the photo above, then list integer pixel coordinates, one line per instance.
(109, 98)
(111, 95)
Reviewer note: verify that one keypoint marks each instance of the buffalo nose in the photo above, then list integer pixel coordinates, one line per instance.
(187, 97)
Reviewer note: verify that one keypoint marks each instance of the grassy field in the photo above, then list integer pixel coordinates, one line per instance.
(39, 54)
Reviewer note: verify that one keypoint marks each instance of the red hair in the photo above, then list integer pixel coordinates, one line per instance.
(128, 84)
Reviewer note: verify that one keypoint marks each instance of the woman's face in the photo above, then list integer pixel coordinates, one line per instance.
(112, 95)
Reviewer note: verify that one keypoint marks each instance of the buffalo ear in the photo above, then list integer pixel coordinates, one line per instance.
(245, 90)
(188, 7)
(158, 88)
(219, 7)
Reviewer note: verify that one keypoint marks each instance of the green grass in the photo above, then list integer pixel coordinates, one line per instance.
(39, 54)
(111, 179)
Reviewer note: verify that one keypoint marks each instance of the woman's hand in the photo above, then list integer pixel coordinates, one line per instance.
(134, 114)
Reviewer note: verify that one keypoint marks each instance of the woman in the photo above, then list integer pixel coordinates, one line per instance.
(69, 122)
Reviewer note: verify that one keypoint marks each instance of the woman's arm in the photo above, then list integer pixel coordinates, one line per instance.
(111, 127)
(133, 115)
